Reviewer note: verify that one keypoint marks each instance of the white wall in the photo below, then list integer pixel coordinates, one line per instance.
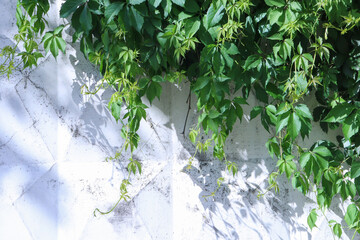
(53, 143)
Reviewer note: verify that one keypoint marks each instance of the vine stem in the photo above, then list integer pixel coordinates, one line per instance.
(187, 114)
(328, 223)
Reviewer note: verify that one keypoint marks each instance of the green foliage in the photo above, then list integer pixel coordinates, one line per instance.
(281, 50)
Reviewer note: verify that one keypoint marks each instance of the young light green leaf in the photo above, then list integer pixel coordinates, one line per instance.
(352, 215)
(337, 230)
(311, 220)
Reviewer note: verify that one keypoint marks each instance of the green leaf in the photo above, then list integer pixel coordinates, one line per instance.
(154, 90)
(54, 49)
(157, 78)
(136, 19)
(352, 214)
(115, 108)
(337, 230)
(155, 3)
(213, 114)
(231, 48)
(260, 93)
(304, 159)
(181, 3)
(200, 83)
(294, 125)
(167, 5)
(275, 3)
(218, 62)
(282, 121)
(252, 61)
(213, 16)
(113, 10)
(339, 112)
(69, 7)
(58, 30)
(322, 151)
(86, 19)
(255, 112)
(191, 27)
(322, 162)
(136, 2)
(351, 125)
(231, 118)
(61, 44)
(274, 15)
(355, 170)
(311, 220)
(303, 111)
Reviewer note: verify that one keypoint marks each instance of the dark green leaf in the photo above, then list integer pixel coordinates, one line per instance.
(86, 19)
(113, 10)
(69, 7)
(252, 61)
(255, 112)
(355, 169)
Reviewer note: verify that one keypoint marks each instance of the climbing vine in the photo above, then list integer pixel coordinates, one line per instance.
(282, 50)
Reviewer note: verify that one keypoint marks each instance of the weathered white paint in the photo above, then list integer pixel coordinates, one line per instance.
(53, 143)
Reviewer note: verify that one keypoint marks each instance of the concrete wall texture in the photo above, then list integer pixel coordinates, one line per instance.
(53, 173)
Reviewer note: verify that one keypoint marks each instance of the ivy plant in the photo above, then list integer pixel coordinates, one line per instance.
(282, 50)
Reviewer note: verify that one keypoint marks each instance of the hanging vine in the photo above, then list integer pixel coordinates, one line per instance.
(283, 50)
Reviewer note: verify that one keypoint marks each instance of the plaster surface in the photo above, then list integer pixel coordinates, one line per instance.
(53, 173)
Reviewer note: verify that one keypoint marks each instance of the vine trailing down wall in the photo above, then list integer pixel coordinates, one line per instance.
(283, 50)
